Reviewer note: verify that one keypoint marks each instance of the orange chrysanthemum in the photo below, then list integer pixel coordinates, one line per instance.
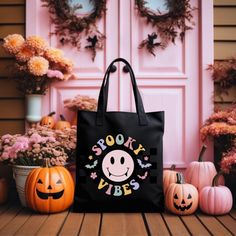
(54, 55)
(66, 65)
(36, 43)
(13, 43)
(38, 66)
(24, 54)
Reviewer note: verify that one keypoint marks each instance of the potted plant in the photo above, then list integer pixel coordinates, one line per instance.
(28, 151)
(36, 65)
(222, 127)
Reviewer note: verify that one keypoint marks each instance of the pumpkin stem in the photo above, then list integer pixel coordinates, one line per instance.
(216, 178)
(47, 163)
(172, 167)
(180, 178)
(62, 117)
(52, 113)
(204, 147)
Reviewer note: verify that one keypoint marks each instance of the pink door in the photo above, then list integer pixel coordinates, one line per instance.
(174, 81)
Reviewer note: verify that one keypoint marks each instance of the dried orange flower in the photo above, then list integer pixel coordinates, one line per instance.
(38, 66)
(24, 54)
(13, 43)
(37, 43)
(54, 55)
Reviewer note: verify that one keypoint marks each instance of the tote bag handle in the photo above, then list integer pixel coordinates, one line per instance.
(103, 95)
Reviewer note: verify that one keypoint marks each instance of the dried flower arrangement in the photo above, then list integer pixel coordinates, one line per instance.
(222, 127)
(80, 102)
(37, 144)
(168, 26)
(224, 73)
(36, 64)
(69, 25)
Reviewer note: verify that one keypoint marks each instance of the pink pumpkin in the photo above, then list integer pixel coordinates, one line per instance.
(215, 200)
(200, 173)
(169, 177)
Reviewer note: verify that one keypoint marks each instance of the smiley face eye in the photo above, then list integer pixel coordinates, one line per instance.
(40, 181)
(112, 160)
(122, 160)
(189, 196)
(59, 182)
(176, 197)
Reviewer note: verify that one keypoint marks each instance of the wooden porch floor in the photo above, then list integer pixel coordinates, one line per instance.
(15, 220)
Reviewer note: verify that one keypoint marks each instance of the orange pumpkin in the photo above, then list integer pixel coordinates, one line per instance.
(74, 121)
(49, 189)
(3, 190)
(62, 124)
(169, 177)
(181, 198)
(48, 120)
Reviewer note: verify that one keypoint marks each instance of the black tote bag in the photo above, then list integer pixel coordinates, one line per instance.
(119, 157)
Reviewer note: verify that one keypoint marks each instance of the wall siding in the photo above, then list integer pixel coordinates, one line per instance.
(224, 42)
(12, 20)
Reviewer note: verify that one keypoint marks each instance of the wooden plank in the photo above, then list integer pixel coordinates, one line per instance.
(175, 225)
(6, 67)
(15, 14)
(16, 223)
(123, 224)
(12, 2)
(72, 224)
(156, 224)
(53, 224)
(213, 225)
(11, 29)
(225, 33)
(32, 225)
(224, 3)
(12, 127)
(194, 225)
(12, 108)
(8, 88)
(224, 50)
(91, 224)
(8, 215)
(228, 222)
(230, 96)
(224, 16)
(233, 213)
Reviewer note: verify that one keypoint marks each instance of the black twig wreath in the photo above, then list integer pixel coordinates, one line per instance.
(69, 26)
(168, 26)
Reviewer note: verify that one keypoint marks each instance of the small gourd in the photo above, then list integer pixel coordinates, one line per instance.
(215, 199)
(62, 124)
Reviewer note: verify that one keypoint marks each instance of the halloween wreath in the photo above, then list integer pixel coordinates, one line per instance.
(69, 26)
(169, 25)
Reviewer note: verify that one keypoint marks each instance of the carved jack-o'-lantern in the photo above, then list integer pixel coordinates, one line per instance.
(48, 120)
(49, 189)
(181, 198)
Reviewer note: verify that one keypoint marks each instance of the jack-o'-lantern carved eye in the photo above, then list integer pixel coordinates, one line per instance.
(176, 196)
(40, 181)
(189, 196)
(59, 182)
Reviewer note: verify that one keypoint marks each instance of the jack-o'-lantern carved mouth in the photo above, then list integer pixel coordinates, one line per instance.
(183, 208)
(45, 196)
(126, 173)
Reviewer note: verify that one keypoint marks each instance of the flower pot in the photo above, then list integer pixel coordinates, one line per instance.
(20, 174)
(3, 190)
(33, 108)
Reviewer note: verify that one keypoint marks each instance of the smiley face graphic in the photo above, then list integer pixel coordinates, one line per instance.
(118, 165)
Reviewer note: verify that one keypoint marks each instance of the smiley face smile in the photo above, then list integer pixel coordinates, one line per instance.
(126, 173)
